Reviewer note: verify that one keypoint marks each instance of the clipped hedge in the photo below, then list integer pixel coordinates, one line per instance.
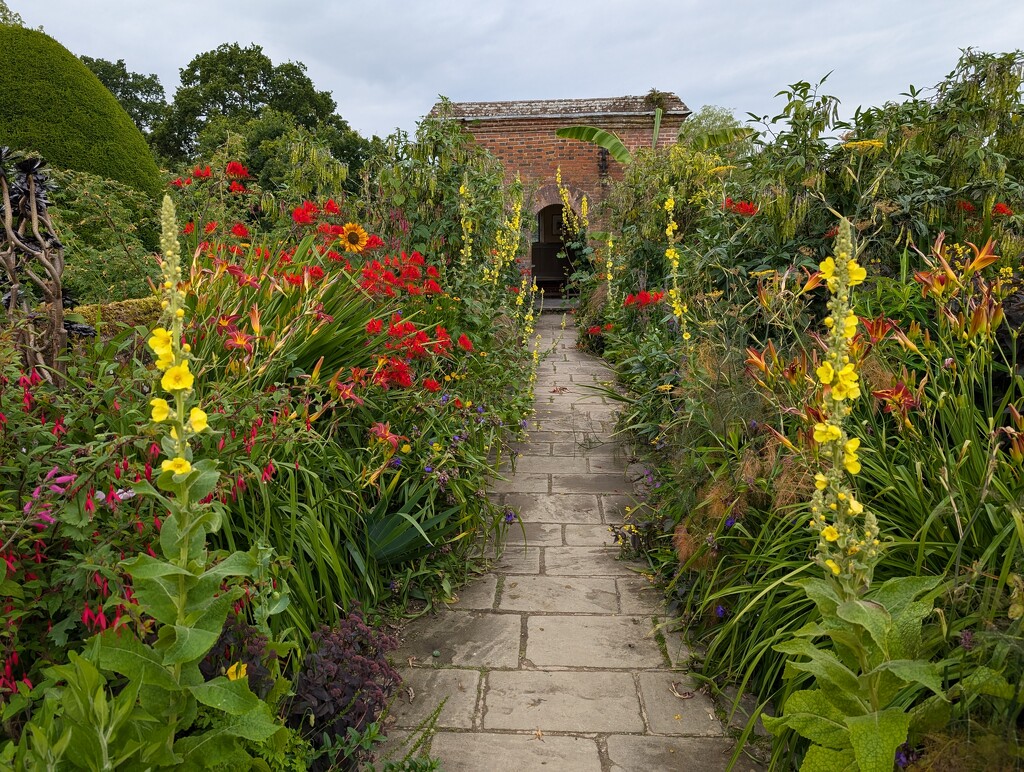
(51, 103)
(108, 317)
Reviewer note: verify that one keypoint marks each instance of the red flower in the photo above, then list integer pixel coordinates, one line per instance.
(237, 187)
(210, 227)
(177, 182)
(609, 326)
(202, 173)
(374, 326)
(235, 169)
(596, 330)
(316, 273)
(238, 339)
(373, 241)
(239, 230)
(1002, 209)
(189, 228)
(431, 287)
(465, 343)
(331, 207)
(293, 278)
(430, 384)
(965, 206)
(383, 433)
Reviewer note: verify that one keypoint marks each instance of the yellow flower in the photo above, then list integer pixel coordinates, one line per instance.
(160, 341)
(856, 507)
(237, 670)
(406, 448)
(850, 326)
(670, 204)
(160, 409)
(820, 481)
(846, 386)
(177, 465)
(665, 387)
(827, 433)
(177, 378)
(671, 253)
(826, 373)
(198, 420)
(436, 447)
(828, 271)
(354, 238)
(829, 533)
(833, 566)
(857, 273)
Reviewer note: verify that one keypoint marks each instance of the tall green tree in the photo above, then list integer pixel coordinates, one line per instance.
(237, 84)
(141, 96)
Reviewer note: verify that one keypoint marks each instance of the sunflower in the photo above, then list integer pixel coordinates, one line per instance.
(354, 238)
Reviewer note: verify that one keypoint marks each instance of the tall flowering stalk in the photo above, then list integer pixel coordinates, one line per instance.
(507, 240)
(468, 226)
(679, 308)
(848, 544)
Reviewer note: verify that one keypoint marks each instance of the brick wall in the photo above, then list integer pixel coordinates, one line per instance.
(529, 147)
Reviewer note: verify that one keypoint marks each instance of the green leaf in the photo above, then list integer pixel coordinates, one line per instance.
(985, 680)
(123, 653)
(203, 479)
(158, 598)
(916, 671)
(823, 664)
(231, 697)
(812, 715)
(897, 593)
(601, 138)
(235, 564)
(876, 736)
(871, 616)
(189, 644)
(822, 593)
(712, 140)
(820, 759)
(143, 566)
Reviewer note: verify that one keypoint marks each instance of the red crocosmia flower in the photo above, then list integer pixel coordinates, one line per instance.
(189, 229)
(239, 230)
(302, 216)
(431, 287)
(202, 172)
(609, 326)
(465, 343)
(596, 330)
(316, 273)
(177, 182)
(1002, 209)
(293, 278)
(374, 326)
(431, 385)
(965, 206)
(334, 257)
(210, 227)
(236, 170)
(331, 207)
(237, 187)
(373, 241)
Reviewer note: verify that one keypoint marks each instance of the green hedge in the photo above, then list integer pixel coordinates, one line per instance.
(52, 104)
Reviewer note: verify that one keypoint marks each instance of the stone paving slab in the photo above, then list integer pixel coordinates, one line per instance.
(550, 464)
(585, 561)
(566, 701)
(537, 535)
(478, 594)
(560, 594)
(588, 535)
(519, 559)
(466, 639)
(490, 752)
(613, 508)
(563, 508)
(639, 596)
(632, 753)
(668, 714)
(430, 686)
(523, 483)
(592, 641)
(588, 483)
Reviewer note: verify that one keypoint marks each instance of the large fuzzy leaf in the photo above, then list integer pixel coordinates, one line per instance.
(876, 736)
(606, 139)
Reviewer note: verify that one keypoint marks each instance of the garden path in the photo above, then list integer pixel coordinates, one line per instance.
(552, 660)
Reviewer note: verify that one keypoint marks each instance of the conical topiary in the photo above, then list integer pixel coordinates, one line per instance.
(52, 104)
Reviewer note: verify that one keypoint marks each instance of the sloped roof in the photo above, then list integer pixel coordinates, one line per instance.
(564, 108)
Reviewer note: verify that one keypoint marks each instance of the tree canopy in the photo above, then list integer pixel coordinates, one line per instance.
(141, 96)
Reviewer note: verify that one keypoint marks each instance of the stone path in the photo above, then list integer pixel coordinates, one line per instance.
(552, 662)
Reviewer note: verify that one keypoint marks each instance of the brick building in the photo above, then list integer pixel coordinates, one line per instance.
(522, 136)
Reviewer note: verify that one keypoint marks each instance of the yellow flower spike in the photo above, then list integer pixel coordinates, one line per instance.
(198, 420)
(161, 410)
(857, 273)
(177, 465)
(177, 378)
(829, 533)
(826, 433)
(850, 326)
(833, 566)
(820, 481)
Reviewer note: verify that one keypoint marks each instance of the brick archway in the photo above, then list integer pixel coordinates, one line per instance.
(547, 195)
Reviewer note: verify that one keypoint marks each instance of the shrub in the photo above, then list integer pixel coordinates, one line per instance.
(52, 104)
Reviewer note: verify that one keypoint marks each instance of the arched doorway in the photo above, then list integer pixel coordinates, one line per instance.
(548, 259)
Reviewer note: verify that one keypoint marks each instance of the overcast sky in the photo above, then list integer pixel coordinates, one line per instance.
(386, 61)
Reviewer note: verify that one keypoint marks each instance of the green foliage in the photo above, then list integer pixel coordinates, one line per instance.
(58, 108)
(606, 139)
(141, 96)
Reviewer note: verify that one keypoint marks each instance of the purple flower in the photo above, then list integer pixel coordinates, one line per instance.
(905, 756)
(720, 611)
(730, 521)
(428, 469)
(967, 639)
(480, 409)
(395, 463)
(510, 516)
